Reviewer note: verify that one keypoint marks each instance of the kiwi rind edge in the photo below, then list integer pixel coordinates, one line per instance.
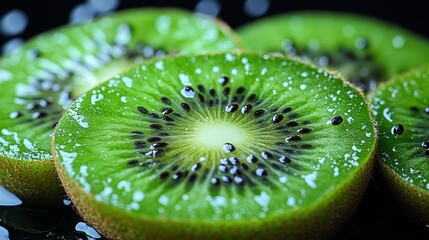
(412, 200)
(309, 223)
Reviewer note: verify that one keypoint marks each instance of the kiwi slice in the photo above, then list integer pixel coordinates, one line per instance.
(401, 109)
(365, 50)
(40, 81)
(217, 146)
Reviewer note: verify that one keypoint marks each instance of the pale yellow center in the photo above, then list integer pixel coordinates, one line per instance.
(217, 134)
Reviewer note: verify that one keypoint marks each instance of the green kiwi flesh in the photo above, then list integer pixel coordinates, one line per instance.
(365, 50)
(41, 79)
(217, 146)
(401, 109)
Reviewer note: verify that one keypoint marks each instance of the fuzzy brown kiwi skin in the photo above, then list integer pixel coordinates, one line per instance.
(413, 201)
(317, 222)
(115, 225)
(34, 182)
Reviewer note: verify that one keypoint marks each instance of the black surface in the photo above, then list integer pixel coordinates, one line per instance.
(377, 216)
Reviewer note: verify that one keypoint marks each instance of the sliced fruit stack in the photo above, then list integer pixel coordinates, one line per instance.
(159, 128)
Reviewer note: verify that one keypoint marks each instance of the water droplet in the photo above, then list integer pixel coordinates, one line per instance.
(397, 129)
(209, 7)
(228, 147)
(256, 8)
(13, 22)
(88, 230)
(81, 13)
(336, 120)
(12, 45)
(188, 92)
(104, 5)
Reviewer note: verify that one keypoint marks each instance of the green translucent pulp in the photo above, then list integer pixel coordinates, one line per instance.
(364, 49)
(108, 129)
(41, 79)
(404, 101)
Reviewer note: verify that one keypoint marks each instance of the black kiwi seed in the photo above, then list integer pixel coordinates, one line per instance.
(238, 180)
(234, 161)
(195, 167)
(247, 108)
(266, 155)
(142, 110)
(284, 159)
(244, 166)
(212, 92)
(261, 172)
(286, 110)
(137, 132)
(188, 92)
(414, 109)
(226, 91)
(226, 179)
(15, 114)
(166, 100)
(234, 171)
(159, 145)
(252, 159)
(186, 106)
(228, 147)
(294, 138)
(240, 90)
(133, 163)
(210, 103)
(223, 161)
(258, 112)
(154, 139)
(153, 115)
(201, 88)
(277, 118)
(223, 80)
(251, 97)
(223, 168)
(177, 176)
(232, 108)
(200, 97)
(39, 115)
(306, 146)
(164, 175)
(215, 181)
(193, 177)
(155, 126)
(139, 144)
(425, 144)
(336, 120)
(167, 110)
(32, 106)
(292, 124)
(167, 118)
(398, 129)
(303, 130)
(427, 152)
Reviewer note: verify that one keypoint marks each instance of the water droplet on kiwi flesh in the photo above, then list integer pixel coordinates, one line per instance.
(274, 159)
(52, 92)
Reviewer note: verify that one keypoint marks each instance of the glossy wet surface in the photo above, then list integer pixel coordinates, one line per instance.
(376, 218)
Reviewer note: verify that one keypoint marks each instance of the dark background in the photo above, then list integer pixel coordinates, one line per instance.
(47, 14)
(377, 216)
